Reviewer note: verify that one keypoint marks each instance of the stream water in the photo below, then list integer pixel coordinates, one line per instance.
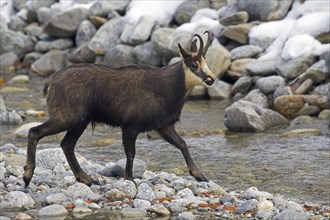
(297, 167)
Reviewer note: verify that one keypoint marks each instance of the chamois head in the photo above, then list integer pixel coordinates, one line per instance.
(194, 63)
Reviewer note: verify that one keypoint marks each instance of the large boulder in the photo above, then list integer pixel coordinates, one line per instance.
(162, 38)
(49, 63)
(218, 59)
(85, 32)
(247, 116)
(238, 32)
(67, 23)
(146, 54)
(82, 54)
(142, 30)
(120, 55)
(15, 201)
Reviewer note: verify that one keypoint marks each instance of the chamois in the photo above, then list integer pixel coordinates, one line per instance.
(136, 98)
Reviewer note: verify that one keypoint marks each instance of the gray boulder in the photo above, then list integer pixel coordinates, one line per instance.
(290, 214)
(218, 59)
(7, 59)
(49, 158)
(16, 23)
(59, 44)
(239, 66)
(264, 10)
(146, 54)
(10, 118)
(15, 201)
(270, 83)
(247, 116)
(107, 36)
(248, 205)
(238, 32)
(33, 30)
(318, 72)
(78, 190)
(257, 97)
(242, 85)
(145, 192)
(50, 62)
(142, 30)
(58, 25)
(103, 8)
(185, 12)
(290, 69)
(182, 37)
(246, 51)
(234, 19)
(82, 54)
(162, 38)
(52, 211)
(34, 5)
(43, 15)
(261, 67)
(127, 187)
(219, 90)
(120, 55)
(85, 32)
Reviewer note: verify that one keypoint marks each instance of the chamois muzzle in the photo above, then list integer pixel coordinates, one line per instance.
(208, 81)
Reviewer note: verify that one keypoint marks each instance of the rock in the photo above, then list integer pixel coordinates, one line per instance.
(162, 38)
(49, 158)
(16, 42)
(257, 97)
(198, 92)
(238, 32)
(23, 216)
(22, 131)
(265, 205)
(288, 105)
(279, 91)
(82, 210)
(34, 30)
(34, 5)
(103, 8)
(160, 210)
(54, 210)
(145, 192)
(179, 184)
(247, 116)
(82, 55)
(227, 198)
(142, 30)
(218, 59)
(185, 12)
(185, 216)
(183, 193)
(219, 90)
(264, 214)
(116, 195)
(78, 190)
(309, 110)
(49, 63)
(15, 201)
(140, 203)
(133, 212)
(325, 114)
(265, 11)
(10, 118)
(30, 58)
(58, 25)
(254, 193)
(235, 19)
(246, 51)
(323, 89)
(248, 205)
(2, 105)
(57, 198)
(146, 54)
(242, 85)
(19, 79)
(15, 160)
(127, 187)
(85, 32)
(16, 23)
(8, 59)
(120, 55)
(167, 190)
(182, 37)
(107, 36)
(291, 214)
(318, 72)
(261, 67)
(290, 69)
(239, 66)
(59, 44)
(319, 101)
(14, 170)
(139, 167)
(43, 15)
(270, 83)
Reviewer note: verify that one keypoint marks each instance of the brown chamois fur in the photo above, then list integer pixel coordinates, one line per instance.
(136, 98)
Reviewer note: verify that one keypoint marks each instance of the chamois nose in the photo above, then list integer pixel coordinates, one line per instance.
(209, 81)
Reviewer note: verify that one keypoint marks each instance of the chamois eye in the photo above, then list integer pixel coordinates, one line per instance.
(194, 66)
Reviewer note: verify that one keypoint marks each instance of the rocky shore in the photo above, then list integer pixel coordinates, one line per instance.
(55, 194)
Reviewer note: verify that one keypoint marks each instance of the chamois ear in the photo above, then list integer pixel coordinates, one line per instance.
(193, 46)
(183, 53)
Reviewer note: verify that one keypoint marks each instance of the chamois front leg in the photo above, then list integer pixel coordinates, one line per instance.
(129, 136)
(171, 136)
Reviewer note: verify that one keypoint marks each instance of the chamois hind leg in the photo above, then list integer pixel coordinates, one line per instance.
(35, 134)
(68, 144)
(169, 134)
(129, 138)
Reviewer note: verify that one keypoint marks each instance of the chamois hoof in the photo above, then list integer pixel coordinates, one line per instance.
(85, 179)
(199, 177)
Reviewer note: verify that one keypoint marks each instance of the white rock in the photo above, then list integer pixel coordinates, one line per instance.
(16, 200)
(53, 211)
(23, 130)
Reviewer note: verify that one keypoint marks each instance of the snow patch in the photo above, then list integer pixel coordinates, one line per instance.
(6, 9)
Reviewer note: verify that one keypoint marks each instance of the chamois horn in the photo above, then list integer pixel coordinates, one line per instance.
(209, 36)
(201, 46)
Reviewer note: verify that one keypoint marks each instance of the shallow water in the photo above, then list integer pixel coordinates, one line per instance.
(297, 167)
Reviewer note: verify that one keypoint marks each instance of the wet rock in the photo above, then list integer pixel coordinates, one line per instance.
(49, 63)
(15, 201)
(8, 59)
(145, 192)
(142, 30)
(242, 85)
(185, 216)
(81, 210)
(19, 79)
(10, 118)
(247, 116)
(248, 205)
(288, 105)
(234, 19)
(269, 84)
(265, 11)
(57, 198)
(82, 55)
(58, 26)
(261, 67)
(219, 90)
(218, 59)
(140, 203)
(120, 55)
(78, 190)
(239, 65)
(59, 44)
(16, 42)
(159, 210)
(257, 97)
(185, 12)
(238, 32)
(291, 214)
(127, 187)
(290, 69)
(22, 131)
(162, 38)
(133, 212)
(23, 216)
(54, 210)
(85, 32)
(246, 51)
(107, 36)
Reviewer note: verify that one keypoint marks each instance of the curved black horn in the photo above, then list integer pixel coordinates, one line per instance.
(209, 37)
(201, 45)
